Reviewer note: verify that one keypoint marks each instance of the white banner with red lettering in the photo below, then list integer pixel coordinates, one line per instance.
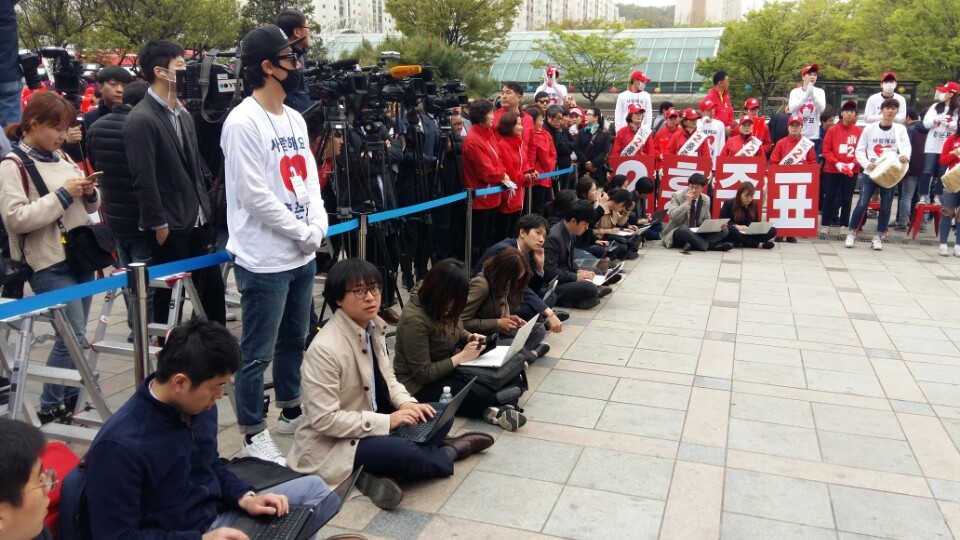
(731, 172)
(676, 172)
(793, 199)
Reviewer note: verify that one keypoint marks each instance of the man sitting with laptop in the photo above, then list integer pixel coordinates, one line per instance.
(690, 226)
(576, 287)
(355, 410)
(154, 470)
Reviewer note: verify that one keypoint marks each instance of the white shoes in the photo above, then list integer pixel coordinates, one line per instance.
(924, 200)
(851, 239)
(824, 230)
(877, 243)
(261, 446)
(287, 427)
(844, 230)
(945, 250)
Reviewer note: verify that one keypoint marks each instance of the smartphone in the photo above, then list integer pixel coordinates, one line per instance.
(95, 177)
(490, 343)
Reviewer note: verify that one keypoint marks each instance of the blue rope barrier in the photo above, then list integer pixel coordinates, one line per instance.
(407, 210)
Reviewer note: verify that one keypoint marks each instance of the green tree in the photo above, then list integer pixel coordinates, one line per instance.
(193, 24)
(925, 38)
(259, 12)
(591, 61)
(478, 27)
(57, 23)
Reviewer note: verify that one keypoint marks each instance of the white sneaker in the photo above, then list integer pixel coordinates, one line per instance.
(924, 200)
(851, 239)
(877, 243)
(262, 446)
(945, 250)
(231, 316)
(287, 427)
(936, 199)
(844, 230)
(956, 250)
(824, 230)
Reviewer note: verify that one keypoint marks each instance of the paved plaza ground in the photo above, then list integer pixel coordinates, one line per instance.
(810, 392)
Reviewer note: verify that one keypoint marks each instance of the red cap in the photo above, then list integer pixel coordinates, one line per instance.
(808, 69)
(639, 76)
(634, 108)
(796, 119)
(888, 75)
(752, 103)
(671, 112)
(576, 111)
(951, 87)
(553, 69)
(690, 114)
(707, 104)
(849, 104)
(746, 118)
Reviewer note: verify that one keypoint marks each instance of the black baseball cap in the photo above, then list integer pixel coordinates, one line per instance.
(114, 72)
(264, 43)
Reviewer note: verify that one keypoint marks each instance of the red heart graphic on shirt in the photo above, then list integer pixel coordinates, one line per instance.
(709, 140)
(878, 149)
(290, 166)
(805, 106)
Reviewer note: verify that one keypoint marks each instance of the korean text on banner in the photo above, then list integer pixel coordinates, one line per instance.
(793, 199)
(676, 172)
(731, 172)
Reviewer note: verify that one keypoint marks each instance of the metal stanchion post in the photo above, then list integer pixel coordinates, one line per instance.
(528, 201)
(468, 241)
(137, 287)
(18, 376)
(362, 247)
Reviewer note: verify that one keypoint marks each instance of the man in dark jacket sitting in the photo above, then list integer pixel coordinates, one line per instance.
(575, 286)
(154, 470)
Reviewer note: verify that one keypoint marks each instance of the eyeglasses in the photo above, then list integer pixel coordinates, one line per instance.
(48, 481)
(292, 57)
(543, 100)
(361, 292)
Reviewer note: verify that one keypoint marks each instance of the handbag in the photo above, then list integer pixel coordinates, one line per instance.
(88, 248)
(951, 179)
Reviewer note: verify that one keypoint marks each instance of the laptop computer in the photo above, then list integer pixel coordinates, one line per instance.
(550, 288)
(502, 353)
(293, 525)
(759, 227)
(423, 431)
(658, 217)
(602, 280)
(710, 226)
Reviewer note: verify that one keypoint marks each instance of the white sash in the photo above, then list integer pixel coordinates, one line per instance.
(638, 141)
(798, 152)
(750, 149)
(692, 144)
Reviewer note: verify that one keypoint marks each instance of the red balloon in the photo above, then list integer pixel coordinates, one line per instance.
(613, 89)
(570, 89)
(850, 89)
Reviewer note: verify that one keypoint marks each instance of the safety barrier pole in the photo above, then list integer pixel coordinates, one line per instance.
(362, 248)
(137, 289)
(468, 241)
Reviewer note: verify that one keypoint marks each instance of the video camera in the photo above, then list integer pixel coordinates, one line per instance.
(67, 71)
(210, 84)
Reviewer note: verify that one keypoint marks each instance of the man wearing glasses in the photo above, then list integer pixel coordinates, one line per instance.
(276, 219)
(294, 24)
(25, 485)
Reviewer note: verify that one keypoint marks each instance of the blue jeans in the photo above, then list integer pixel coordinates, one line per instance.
(306, 490)
(10, 110)
(276, 315)
(867, 188)
(135, 249)
(908, 188)
(950, 201)
(931, 170)
(55, 277)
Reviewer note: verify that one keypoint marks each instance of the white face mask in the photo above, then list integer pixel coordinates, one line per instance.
(888, 87)
(641, 85)
(940, 96)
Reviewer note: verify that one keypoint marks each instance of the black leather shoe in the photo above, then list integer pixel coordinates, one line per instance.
(469, 443)
(562, 315)
(614, 279)
(540, 350)
(722, 246)
(603, 290)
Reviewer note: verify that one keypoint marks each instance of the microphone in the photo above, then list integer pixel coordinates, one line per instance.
(402, 72)
(339, 65)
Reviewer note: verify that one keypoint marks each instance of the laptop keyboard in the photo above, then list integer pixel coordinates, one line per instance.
(282, 527)
(420, 428)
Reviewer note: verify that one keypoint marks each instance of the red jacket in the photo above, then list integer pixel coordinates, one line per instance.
(680, 138)
(785, 145)
(624, 136)
(482, 166)
(762, 131)
(736, 142)
(527, 122)
(724, 110)
(952, 143)
(546, 156)
(512, 152)
(839, 145)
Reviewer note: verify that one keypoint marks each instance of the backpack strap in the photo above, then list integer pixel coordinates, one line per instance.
(28, 164)
(23, 170)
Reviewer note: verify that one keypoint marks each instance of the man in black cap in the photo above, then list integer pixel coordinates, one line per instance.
(277, 221)
(112, 79)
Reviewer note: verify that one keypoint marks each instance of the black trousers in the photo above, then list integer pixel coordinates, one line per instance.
(398, 457)
(419, 248)
(698, 242)
(484, 222)
(837, 194)
(740, 239)
(580, 294)
(539, 197)
(506, 225)
(208, 281)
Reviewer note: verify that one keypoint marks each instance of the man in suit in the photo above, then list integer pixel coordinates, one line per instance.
(575, 287)
(161, 147)
(688, 209)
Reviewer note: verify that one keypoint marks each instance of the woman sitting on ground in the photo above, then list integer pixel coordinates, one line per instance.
(741, 211)
(428, 334)
(615, 218)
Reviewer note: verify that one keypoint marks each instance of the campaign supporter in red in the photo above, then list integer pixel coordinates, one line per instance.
(950, 201)
(840, 167)
(513, 155)
(626, 134)
(720, 94)
(786, 145)
(482, 168)
(664, 134)
(688, 124)
(545, 161)
(761, 130)
(510, 96)
(744, 138)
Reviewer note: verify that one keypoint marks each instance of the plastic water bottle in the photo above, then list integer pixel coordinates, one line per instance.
(446, 396)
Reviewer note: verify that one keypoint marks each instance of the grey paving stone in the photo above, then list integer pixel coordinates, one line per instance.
(845, 383)
(398, 523)
(945, 490)
(857, 421)
(882, 353)
(668, 343)
(622, 472)
(941, 394)
(664, 361)
(699, 453)
(653, 394)
(499, 499)
(530, 458)
(777, 497)
(872, 453)
(774, 439)
(766, 354)
(887, 514)
(741, 527)
(571, 383)
(576, 321)
(861, 316)
(640, 420)
(728, 280)
(589, 514)
(832, 361)
(769, 374)
(609, 336)
(712, 382)
(546, 362)
(776, 331)
(774, 410)
(598, 353)
(726, 303)
(912, 407)
(566, 410)
(721, 336)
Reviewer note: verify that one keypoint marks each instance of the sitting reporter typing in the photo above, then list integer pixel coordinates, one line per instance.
(741, 211)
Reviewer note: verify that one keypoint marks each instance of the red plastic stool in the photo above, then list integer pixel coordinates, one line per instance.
(920, 211)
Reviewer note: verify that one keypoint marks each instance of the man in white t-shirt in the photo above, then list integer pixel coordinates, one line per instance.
(807, 101)
(888, 89)
(277, 221)
(555, 91)
(714, 129)
(634, 95)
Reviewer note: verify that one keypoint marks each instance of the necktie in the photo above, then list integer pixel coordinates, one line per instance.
(694, 212)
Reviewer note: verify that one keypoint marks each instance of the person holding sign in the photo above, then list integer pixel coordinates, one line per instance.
(633, 138)
(877, 139)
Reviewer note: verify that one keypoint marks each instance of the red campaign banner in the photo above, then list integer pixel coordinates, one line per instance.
(634, 168)
(732, 171)
(793, 199)
(676, 171)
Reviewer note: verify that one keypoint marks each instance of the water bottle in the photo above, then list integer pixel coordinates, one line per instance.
(446, 396)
